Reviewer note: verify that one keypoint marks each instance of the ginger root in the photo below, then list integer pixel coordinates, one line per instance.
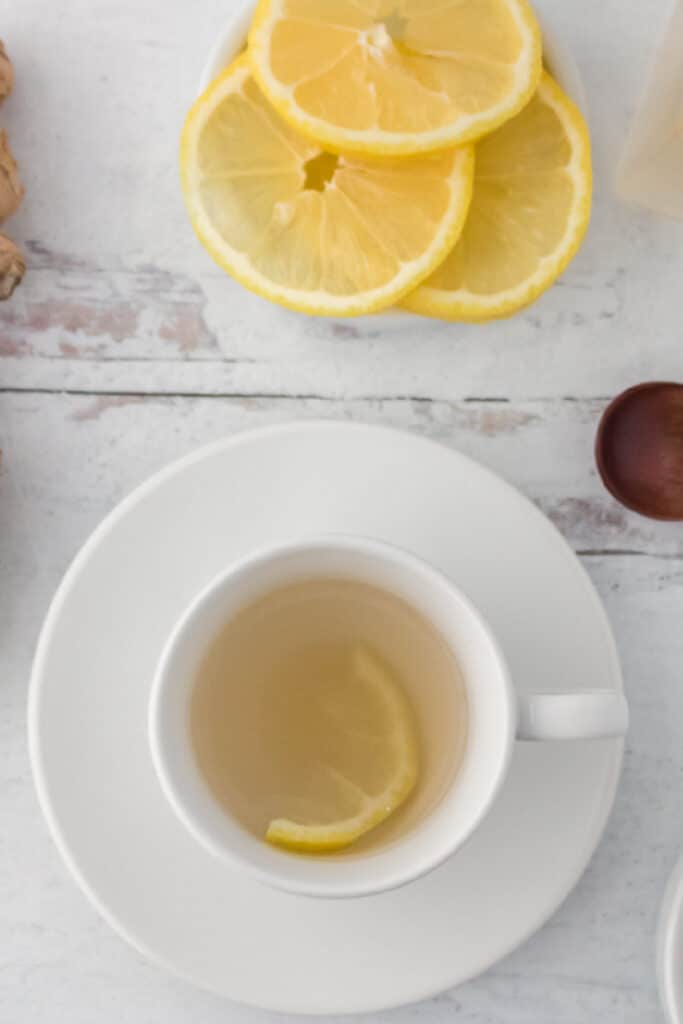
(12, 263)
(6, 73)
(12, 267)
(11, 189)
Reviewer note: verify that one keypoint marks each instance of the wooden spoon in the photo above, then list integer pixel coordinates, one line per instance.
(639, 449)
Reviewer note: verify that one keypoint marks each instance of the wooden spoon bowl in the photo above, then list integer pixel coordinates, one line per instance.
(639, 449)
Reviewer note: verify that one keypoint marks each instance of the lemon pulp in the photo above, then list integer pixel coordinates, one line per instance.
(395, 76)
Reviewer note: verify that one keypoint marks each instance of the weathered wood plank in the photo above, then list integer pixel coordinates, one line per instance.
(545, 448)
(115, 274)
(76, 324)
(120, 299)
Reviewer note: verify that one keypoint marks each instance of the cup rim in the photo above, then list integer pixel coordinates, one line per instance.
(325, 883)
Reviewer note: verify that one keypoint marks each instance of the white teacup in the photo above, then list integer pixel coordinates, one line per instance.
(497, 715)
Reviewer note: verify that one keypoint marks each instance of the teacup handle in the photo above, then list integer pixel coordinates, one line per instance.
(587, 715)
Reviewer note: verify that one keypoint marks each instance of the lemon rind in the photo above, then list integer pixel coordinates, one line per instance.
(295, 836)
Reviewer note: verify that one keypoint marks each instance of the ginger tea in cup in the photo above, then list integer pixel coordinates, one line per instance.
(335, 718)
(328, 715)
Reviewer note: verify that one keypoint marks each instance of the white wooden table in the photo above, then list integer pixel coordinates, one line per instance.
(125, 347)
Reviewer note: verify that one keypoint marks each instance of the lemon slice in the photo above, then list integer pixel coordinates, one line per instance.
(395, 76)
(376, 762)
(302, 227)
(530, 210)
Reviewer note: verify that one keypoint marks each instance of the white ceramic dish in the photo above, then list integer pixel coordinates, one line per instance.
(670, 947)
(90, 689)
(497, 715)
(491, 700)
(558, 58)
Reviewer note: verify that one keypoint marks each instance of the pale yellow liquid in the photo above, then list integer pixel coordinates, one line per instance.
(259, 727)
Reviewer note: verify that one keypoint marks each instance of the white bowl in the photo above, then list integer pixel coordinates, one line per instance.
(670, 948)
(233, 37)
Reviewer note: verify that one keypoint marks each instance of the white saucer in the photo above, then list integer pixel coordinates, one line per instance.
(670, 947)
(87, 718)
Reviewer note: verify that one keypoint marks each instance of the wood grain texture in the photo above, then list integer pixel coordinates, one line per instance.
(84, 325)
(116, 275)
(543, 447)
(125, 347)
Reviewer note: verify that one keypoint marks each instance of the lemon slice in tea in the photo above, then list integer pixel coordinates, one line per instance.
(373, 766)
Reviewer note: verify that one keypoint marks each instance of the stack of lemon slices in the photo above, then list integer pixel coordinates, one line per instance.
(366, 153)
